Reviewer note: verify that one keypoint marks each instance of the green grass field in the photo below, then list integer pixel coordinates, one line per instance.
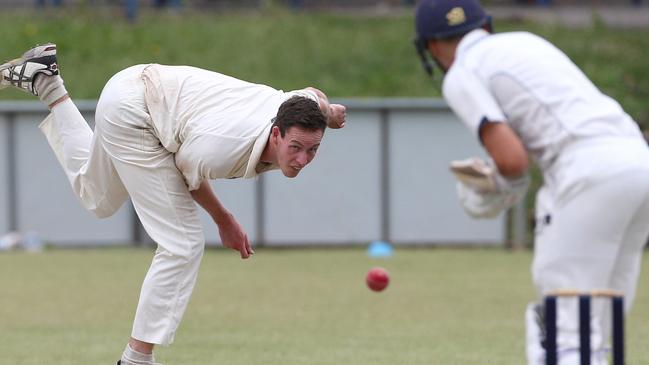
(309, 306)
(284, 306)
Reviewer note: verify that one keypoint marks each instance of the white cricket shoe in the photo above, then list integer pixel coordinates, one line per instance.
(22, 71)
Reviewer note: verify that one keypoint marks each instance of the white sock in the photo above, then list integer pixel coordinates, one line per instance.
(49, 88)
(132, 357)
(4, 83)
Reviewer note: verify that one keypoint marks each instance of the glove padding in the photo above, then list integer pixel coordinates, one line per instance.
(483, 191)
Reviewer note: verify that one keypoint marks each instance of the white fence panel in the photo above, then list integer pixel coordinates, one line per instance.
(385, 176)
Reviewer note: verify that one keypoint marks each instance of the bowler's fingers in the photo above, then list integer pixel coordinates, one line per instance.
(249, 247)
(244, 248)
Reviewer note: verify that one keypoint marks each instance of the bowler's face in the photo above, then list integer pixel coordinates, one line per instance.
(296, 149)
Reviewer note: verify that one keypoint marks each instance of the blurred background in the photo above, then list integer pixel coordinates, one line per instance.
(388, 169)
(378, 194)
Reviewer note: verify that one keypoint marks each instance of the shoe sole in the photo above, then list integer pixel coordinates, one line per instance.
(36, 52)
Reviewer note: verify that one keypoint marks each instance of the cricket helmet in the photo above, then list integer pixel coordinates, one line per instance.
(439, 19)
(443, 19)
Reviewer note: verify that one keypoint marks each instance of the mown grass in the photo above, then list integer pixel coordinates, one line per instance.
(345, 55)
(443, 306)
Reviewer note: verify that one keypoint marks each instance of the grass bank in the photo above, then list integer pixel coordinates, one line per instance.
(344, 55)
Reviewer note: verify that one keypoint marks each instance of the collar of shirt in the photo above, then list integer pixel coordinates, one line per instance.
(255, 167)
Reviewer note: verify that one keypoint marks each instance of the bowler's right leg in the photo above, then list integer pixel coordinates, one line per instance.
(89, 170)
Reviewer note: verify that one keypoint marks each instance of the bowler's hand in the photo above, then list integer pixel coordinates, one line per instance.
(233, 236)
(337, 116)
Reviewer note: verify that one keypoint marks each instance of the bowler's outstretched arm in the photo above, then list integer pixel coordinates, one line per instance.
(232, 234)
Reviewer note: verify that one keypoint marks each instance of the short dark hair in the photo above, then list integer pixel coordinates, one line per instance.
(299, 111)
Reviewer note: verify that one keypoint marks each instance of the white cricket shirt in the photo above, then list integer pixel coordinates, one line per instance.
(523, 80)
(216, 125)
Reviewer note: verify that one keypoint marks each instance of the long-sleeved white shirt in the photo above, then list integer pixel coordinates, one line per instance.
(523, 80)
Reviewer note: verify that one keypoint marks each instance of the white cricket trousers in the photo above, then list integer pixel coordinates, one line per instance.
(592, 225)
(123, 157)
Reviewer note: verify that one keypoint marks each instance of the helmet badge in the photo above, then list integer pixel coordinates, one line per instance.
(456, 16)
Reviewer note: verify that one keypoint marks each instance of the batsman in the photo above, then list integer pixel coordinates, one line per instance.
(525, 101)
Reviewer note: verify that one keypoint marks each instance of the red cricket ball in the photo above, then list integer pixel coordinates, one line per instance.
(377, 278)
